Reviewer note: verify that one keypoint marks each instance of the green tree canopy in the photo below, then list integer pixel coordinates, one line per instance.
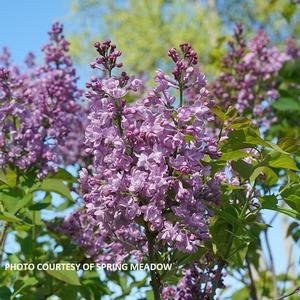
(146, 29)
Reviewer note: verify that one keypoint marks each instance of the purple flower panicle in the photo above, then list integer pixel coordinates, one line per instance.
(39, 110)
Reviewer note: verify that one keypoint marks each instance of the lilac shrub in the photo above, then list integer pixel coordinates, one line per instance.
(41, 122)
(160, 181)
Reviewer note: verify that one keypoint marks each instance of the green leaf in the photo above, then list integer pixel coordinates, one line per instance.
(22, 284)
(11, 198)
(137, 284)
(289, 212)
(190, 258)
(11, 177)
(27, 246)
(189, 138)
(68, 292)
(126, 290)
(289, 10)
(35, 217)
(244, 169)
(39, 206)
(287, 104)
(291, 71)
(293, 177)
(238, 252)
(5, 293)
(91, 279)
(235, 155)
(64, 205)
(23, 202)
(270, 176)
(291, 228)
(63, 175)
(290, 145)
(219, 113)
(149, 295)
(221, 232)
(252, 137)
(24, 227)
(241, 139)
(247, 138)
(87, 293)
(15, 199)
(68, 276)
(230, 214)
(45, 203)
(8, 217)
(270, 202)
(276, 148)
(54, 185)
(230, 113)
(3, 178)
(239, 123)
(241, 294)
(291, 196)
(280, 160)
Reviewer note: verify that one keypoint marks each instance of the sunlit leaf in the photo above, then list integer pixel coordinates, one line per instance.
(54, 185)
(68, 276)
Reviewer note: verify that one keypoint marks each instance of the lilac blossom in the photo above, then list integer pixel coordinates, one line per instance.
(248, 79)
(292, 48)
(42, 123)
(195, 283)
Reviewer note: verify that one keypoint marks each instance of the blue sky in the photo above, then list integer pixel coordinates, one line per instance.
(23, 28)
(24, 24)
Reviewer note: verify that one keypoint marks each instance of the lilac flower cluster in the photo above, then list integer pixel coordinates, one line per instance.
(42, 124)
(149, 178)
(248, 80)
(82, 227)
(292, 48)
(195, 283)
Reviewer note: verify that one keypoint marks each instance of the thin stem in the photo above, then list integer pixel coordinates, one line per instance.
(180, 95)
(272, 265)
(247, 202)
(118, 117)
(34, 236)
(3, 234)
(287, 271)
(238, 278)
(155, 283)
(221, 131)
(295, 291)
(263, 285)
(2, 240)
(214, 287)
(273, 218)
(253, 291)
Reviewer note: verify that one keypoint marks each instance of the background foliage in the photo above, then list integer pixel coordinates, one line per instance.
(145, 29)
